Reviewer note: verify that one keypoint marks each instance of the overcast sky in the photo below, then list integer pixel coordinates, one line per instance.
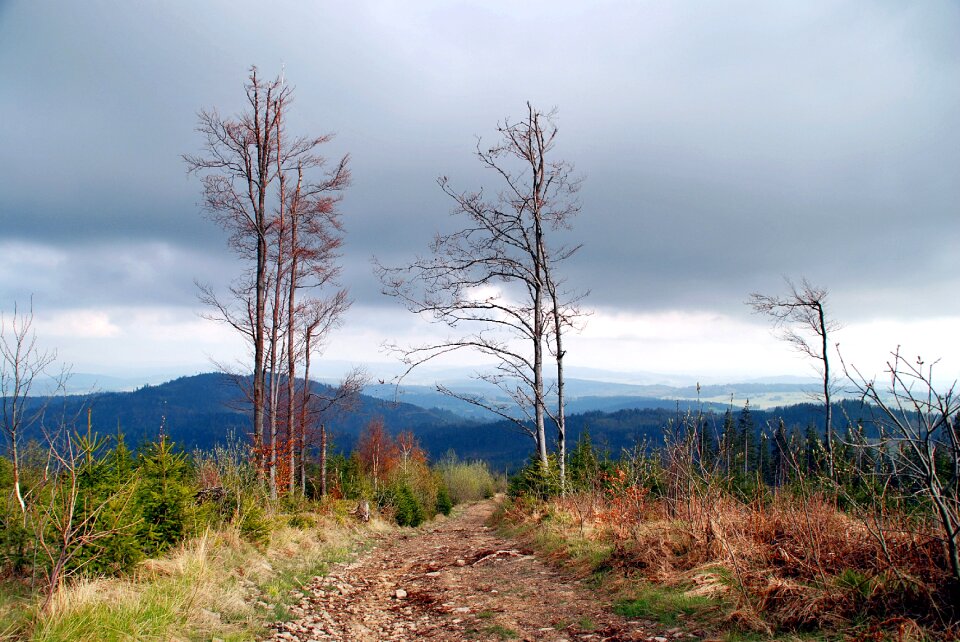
(724, 145)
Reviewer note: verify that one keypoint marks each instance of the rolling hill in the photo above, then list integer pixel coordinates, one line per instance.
(202, 410)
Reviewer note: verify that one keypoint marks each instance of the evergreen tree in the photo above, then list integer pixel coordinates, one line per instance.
(812, 450)
(763, 458)
(163, 495)
(105, 483)
(584, 465)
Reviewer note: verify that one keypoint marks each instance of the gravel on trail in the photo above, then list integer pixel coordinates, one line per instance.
(456, 579)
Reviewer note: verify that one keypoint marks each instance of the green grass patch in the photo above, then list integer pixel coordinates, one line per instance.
(502, 632)
(665, 604)
(15, 603)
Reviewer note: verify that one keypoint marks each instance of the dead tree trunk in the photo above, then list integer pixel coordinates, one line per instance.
(502, 248)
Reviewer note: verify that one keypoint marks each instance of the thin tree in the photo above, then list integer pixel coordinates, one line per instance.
(238, 167)
(918, 427)
(315, 238)
(490, 281)
(564, 312)
(22, 364)
(274, 195)
(802, 320)
(320, 316)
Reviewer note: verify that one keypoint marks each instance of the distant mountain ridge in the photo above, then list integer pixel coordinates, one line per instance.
(586, 395)
(203, 410)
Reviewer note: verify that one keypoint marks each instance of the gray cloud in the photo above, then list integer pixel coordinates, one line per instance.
(723, 144)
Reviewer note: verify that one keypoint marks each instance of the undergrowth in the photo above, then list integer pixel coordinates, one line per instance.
(787, 568)
(217, 585)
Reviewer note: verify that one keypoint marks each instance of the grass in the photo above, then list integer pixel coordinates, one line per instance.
(213, 586)
(666, 605)
(15, 598)
(503, 632)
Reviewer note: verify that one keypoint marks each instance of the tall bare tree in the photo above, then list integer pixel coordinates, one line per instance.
(491, 280)
(22, 364)
(564, 313)
(238, 167)
(320, 317)
(801, 318)
(275, 195)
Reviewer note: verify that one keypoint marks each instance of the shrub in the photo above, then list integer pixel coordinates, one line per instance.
(467, 481)
(252, 522)
(301, 521)
(535, 481)
(444, 503)
(407, 510)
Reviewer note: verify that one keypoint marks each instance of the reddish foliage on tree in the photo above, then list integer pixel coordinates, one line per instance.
(408, 447)
(378, 451)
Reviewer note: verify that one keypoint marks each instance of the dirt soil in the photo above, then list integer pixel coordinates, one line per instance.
(457, 579)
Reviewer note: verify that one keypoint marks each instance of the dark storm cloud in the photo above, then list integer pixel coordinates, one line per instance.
(723, 144)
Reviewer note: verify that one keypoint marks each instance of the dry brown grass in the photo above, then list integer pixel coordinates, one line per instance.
(786, 564)
(215, 585)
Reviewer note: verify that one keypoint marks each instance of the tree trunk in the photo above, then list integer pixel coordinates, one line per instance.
(304, 406)
(828, 408)
(262, 183)
(274, 383)
(536, 160)
(291, 317)
(323, 460)
(561, 419)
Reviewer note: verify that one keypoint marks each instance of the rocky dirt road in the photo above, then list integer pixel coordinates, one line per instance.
(456, 580)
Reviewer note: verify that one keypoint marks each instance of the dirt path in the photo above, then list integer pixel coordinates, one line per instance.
(456, 580)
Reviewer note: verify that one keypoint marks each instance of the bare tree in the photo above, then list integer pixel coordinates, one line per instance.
(62, 530)
(564, 312)
(918, 441)
(22, 364)
(803, 323)
(490, 281)
(320, 316)
(274, 195)
(238, 169)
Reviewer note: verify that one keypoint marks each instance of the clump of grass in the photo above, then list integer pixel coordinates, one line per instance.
(503, 632)
(583, 549)
(666, 605)
(15, 599)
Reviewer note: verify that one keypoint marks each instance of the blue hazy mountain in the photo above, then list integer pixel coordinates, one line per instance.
(203, 410)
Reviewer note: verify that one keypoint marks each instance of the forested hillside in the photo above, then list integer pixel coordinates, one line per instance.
(204, 410)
